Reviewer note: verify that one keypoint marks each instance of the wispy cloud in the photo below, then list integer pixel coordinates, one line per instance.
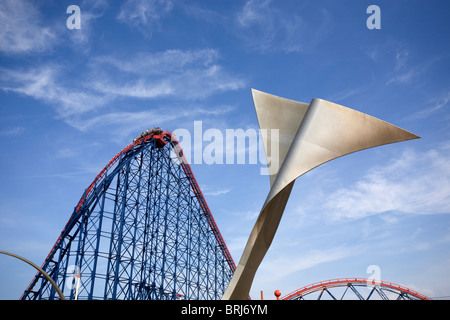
(25, 30)
(92, 10)
(403, 71)
(437, 103)
(267, 29)
(175, 74)
(44, 83)
(12, 131)
(144, 15)
(124, 124)
(200, 12)
(415, 183)
(22, 29)
(403, 66)
(188, 74)
(343, 95)
(135, 89)
(160, 63)
(208, 191)
(262, 25)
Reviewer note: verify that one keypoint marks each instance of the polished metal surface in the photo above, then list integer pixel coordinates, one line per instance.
(309, 135)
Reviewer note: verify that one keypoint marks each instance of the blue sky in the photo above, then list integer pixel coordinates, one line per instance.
(71, 99)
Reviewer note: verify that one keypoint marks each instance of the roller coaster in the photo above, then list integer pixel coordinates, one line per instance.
(354, 288)
(141, 230)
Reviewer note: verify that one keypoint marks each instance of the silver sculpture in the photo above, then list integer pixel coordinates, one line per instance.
(309, 135)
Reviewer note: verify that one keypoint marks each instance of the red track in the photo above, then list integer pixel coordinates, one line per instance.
(198, 193)
(345, 281)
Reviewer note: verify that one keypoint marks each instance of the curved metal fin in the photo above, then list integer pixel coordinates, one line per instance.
(310, 135)
(329, 131)
(279, 120)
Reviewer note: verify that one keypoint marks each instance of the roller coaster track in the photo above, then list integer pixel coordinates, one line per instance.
(378, 286)
(161, 140)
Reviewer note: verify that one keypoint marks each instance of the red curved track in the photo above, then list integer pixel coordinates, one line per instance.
(345, 282)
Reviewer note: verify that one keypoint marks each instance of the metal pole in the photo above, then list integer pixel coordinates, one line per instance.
(39, 269)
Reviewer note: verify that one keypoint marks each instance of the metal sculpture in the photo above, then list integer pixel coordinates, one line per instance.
(309, 135)
(376, 289)
(141, 230)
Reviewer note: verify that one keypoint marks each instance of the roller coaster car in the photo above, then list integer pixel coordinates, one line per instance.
(147, 132)
(157, 130)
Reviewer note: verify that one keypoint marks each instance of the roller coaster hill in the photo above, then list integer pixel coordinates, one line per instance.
(141, 230)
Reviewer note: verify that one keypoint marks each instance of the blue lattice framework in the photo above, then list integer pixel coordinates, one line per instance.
(142, 230)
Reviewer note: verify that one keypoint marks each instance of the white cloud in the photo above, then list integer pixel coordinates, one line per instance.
(199, 12)
(401, 62)
(160, 63)
(13, 131)
(189, 74)
(91, 10)
(207, 191)
(144, 14)
(261, 24)
(415, 183)
(177, 74)
(401, 57)
(125, 122)
(403, 72)
(136, 89)
(122, 124)
(254, 12)
(436, 104)
(25, 29)
(267, 29)
(44, 83)
(22, 29)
